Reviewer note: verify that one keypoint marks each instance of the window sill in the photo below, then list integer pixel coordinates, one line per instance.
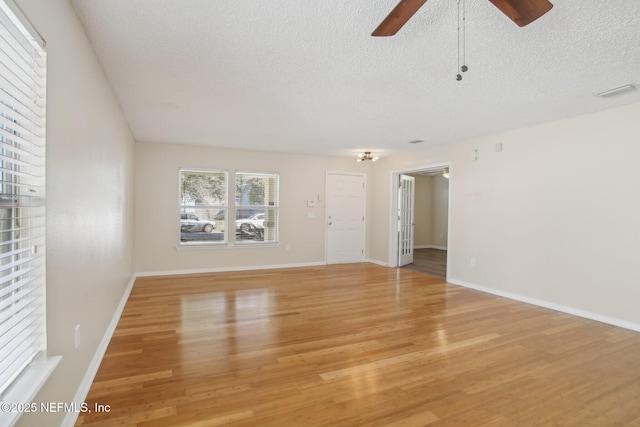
(26, 387)
(226, 246)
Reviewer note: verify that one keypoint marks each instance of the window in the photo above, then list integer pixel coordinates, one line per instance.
(22, 250)
(256, 207)
(203, 205)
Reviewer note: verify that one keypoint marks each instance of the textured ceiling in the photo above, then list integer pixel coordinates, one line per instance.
(307, 77)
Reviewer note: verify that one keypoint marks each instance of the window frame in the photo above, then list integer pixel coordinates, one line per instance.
(275, 207)
(230, 240)
(221, 207)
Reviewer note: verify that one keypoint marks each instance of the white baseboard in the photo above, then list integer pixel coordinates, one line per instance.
(442, 248)
(550, 305)
(72, 416)
(227, 269)
(375, 261)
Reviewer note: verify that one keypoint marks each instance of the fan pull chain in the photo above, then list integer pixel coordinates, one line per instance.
(462, 40)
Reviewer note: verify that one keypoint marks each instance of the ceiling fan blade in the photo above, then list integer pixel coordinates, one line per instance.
(523, 12)
(398, 17)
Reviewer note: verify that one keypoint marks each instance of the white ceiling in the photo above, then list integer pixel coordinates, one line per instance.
(306, 76)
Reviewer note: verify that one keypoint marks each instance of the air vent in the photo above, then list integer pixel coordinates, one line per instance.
(617, 91)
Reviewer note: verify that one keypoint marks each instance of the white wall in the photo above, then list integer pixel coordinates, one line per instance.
(302, 178)
(431, 211)
(89, 201)
(423, 211)
(553, 217)
(440, 221)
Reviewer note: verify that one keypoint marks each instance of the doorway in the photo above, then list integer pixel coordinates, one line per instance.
(430, 220)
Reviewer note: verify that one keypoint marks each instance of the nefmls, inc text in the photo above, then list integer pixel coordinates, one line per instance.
(73, 407)
(53, 407)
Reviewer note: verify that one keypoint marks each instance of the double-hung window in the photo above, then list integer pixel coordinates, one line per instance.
(256, 207)
(22, 250)
(203, 206)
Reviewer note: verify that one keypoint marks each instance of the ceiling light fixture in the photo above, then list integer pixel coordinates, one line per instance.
(445, 173)
(617, 91)
(366, 156)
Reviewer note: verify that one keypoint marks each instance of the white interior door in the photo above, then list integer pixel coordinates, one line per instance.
(406, 196)
(345, 218)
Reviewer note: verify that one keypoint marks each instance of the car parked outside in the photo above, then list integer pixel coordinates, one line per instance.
(241, 213)
(192, 223)
(252, 227)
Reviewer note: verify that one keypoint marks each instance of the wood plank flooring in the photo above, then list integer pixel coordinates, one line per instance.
(356, 345)
(429, 261)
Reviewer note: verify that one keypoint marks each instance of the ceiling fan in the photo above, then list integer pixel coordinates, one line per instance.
(522, 12)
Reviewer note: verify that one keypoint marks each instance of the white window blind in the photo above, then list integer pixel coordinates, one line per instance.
(22, 195)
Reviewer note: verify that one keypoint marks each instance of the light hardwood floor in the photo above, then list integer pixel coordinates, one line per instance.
(429, 261)
(357, 345)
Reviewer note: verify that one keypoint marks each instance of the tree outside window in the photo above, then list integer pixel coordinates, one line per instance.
(203, 205)
(256, 207)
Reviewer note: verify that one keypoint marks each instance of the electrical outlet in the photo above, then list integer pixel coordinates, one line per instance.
(77, 336)
(472, 261)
